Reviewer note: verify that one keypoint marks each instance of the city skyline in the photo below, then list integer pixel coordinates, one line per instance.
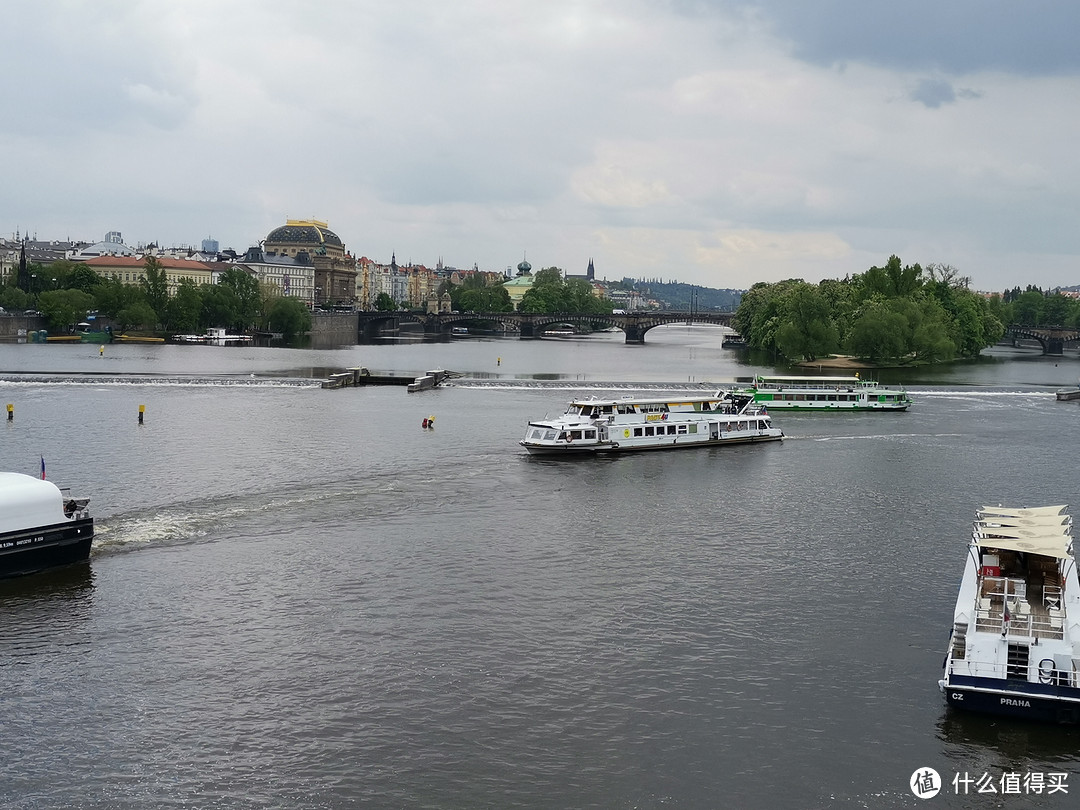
(722, 143)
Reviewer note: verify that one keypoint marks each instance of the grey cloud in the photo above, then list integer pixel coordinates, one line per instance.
(956, 37)
(934, 92)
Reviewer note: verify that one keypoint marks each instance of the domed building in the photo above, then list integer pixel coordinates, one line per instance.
(311, 243)
(520, 284)
(309, 236)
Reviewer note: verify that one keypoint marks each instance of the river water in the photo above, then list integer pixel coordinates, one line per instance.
(298, 598)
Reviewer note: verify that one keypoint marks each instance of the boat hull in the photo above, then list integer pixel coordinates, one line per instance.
(1026, 701)
(792, 406)
(628, 447)
(31, 550)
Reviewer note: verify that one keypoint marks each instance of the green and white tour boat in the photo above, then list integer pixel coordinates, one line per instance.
(834, 393)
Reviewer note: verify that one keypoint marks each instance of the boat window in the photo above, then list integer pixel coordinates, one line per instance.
(650, 430)
(693, 428)
(671, 430)
(590, 434)
(549, 435)
(682, 429)
(637, 431)
(575, 434)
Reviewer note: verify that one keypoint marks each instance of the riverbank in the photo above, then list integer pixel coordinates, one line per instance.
(839, 361)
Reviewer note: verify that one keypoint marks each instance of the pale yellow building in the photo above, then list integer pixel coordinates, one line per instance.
(131, 270)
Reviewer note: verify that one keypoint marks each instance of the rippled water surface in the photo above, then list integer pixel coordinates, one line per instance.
(298, 598)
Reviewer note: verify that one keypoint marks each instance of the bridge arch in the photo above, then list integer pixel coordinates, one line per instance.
(533, 325)
(1052, 338)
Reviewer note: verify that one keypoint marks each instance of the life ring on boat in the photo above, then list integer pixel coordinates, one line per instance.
(569, 438)
(626, 433)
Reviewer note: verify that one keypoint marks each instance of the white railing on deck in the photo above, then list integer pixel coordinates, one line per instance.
(993, 669)
(1020, 624)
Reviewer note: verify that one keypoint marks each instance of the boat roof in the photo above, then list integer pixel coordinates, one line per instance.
(831, 378)
(658, 400)
(27, 502)
(1044, 530)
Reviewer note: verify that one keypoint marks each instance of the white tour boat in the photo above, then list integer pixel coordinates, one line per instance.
(645, 423)
(834, 393)
(214, 336)
(1015, 644)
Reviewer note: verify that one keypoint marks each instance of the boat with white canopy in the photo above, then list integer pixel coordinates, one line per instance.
(40, 526)
(1015, 642)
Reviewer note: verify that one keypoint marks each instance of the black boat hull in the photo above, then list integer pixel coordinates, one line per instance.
(1026, 701)
(31, 550)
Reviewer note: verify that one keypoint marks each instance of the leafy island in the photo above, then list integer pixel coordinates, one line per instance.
(892, 315)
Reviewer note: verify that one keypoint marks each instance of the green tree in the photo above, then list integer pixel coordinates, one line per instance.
(483, 299)
(65, 308)
(12, 298)
(1058, 309)
(112, 295)
(248, 297)
(220, 306)
(384, 303)
(550, 293)
(290, 316)
(155, 286)
(475, 294)
(807, 331)
(137, 315)
(762, 312)
(82, 278)
(1027, 308)
(184, 308)
(878, 335)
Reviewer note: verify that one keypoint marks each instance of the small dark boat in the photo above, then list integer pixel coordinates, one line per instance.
(1068, 393)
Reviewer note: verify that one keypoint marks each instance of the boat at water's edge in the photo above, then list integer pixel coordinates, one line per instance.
(591, 426)
(1015, 644)
(215, 336)
(1065, 394)
(40, 526)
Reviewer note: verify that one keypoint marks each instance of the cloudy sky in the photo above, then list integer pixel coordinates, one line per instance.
(715, 142)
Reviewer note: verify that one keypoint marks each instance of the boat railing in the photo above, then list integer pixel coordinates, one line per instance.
(1022, 621)
(1045, 669)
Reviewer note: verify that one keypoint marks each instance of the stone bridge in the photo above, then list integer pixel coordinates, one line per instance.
(1051, 338)
(635, 324)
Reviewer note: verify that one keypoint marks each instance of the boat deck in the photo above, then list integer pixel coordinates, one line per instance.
(1034, 606)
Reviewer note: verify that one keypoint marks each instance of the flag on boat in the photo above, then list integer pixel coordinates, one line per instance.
(43, 468)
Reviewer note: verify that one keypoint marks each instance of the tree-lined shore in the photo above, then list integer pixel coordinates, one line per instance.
(893, 315)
